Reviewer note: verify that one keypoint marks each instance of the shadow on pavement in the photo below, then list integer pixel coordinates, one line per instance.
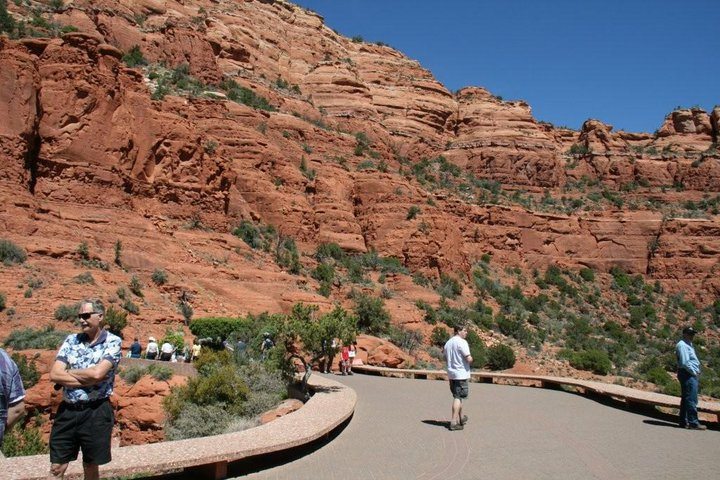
(658, 423)
(437, 423)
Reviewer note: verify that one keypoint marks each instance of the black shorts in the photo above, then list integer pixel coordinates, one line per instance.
(87, 428)
(459, 388)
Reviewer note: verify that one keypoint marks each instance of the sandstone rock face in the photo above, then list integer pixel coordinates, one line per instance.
(377, 352)
(92, 152)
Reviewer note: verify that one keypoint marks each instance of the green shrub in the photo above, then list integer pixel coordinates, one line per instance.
(219, 327)
(405, 338)
(439, 336)
(371, 314)
(477, 349)
(159, 277)
(176, 338)
(243, 95)
(324, 273)
(24, 441)
(130, 307)
(325, 289)
(267, 388)
(28, 370)
(186, 311)
(592, 360)
(67, 313)
(412, 212)
(118, 253)
(132, 374)
(84, 278)
(329, 250)
(587, 274)
(500, 357)
(449, 287)
(84, 251)
(198, 421)
(115, 320)
(160, 372)
(134, 58)
(10, 253)
(135, 286)
(287, 255)
(44, 339)
(3, 301)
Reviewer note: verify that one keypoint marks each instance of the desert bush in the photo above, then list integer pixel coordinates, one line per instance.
(160, 372)
(132, 374)
(198, 421)
(135, 286)
(10, 253)
(159, 277)
(405, 338)
(596, 361)
(324, 273)
(219, 327)
(587, 274)
(134, 58)
(412, 212)
(28, 370)
(24, 441)
(439, 336)
(372, 316)
(238, 424)
(186, 311)
(44, 339)
(267, 388)
(115, 320)
(449, 287)
(67, 313)
(500, 357)
(130, 307)
(243, 95)
(3, 301)
(477, 349)
(84, 278)
(329, 250)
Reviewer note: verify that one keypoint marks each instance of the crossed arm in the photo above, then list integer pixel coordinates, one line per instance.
(83, 377)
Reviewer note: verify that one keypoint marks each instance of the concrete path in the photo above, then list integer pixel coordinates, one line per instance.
(399, 431)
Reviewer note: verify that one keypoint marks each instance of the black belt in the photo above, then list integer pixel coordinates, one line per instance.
(84, 405)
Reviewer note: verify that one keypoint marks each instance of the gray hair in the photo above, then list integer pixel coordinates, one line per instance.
(96, 303)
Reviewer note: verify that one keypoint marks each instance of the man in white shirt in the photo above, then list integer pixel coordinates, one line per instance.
(458, 358)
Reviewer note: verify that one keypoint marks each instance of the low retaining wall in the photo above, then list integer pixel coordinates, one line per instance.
(619, 392)
(178, 368)
(331, 405)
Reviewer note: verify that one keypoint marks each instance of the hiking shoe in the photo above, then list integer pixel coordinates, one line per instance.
(457, 426)
(696, 427)
(463, 420)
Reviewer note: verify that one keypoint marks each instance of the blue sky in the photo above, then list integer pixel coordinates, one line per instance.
(627, 63)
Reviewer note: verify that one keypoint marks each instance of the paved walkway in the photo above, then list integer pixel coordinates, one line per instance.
(399, 431)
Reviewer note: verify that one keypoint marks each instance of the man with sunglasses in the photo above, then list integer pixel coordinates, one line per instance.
(85, 368)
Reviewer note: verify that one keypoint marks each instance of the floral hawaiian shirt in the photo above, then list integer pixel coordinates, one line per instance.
(78, 353)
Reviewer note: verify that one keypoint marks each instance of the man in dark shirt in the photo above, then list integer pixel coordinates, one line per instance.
(135, 349)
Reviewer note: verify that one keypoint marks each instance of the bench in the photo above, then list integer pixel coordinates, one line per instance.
(630, 396)
(208, 457)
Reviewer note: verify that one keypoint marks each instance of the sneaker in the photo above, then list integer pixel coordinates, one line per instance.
(457, 426)
(351, 373)
(463, 420)
(696, 427)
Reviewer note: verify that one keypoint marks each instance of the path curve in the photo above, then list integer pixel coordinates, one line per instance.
(399, 431)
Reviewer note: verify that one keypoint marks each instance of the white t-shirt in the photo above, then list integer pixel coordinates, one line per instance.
(456, 350)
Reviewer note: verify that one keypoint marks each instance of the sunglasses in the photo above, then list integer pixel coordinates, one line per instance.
(86, 316)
